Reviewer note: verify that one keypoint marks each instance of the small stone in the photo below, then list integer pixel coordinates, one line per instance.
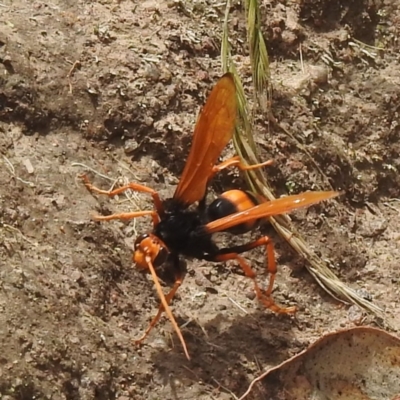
(159, 343)
(28, 165)
(318, 74)
(130, 146)
(74, 339)
(76, 275)
(355, 314)
(250, 295)
(198, 281)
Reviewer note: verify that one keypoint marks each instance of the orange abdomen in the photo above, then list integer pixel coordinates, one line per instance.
(230, 202)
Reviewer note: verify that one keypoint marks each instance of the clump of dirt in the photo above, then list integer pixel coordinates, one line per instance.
(360, 17)
(114, 88)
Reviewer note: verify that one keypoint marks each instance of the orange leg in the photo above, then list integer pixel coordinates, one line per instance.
(133, 186)
(265, 298)
(237, 162)
(165, 300)
(168, 299)
(127, 216)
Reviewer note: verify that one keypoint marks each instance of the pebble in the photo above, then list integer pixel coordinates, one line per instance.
(250, 294)
(76, 275)
(318, 73)
(355, 314)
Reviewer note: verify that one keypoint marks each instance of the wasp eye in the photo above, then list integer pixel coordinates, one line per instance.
(140, 239)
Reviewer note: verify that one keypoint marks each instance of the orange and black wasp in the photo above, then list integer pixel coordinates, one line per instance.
(184, 224)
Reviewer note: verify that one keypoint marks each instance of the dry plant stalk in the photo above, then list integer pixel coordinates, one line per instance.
(246, 148)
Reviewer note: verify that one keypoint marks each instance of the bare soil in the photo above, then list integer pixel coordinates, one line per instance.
(116, 86)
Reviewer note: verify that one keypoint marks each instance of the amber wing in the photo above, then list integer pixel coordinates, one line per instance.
(214, 129)
(269, 209)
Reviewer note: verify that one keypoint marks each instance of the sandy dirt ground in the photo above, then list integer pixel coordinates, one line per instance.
(115, 86)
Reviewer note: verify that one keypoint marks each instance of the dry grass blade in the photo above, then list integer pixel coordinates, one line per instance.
(245, 147)
(225, 47)
(258, 55)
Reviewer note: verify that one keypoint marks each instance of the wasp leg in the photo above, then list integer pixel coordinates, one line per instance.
(154, 321)
(133, 186)
(266, 297)
(237, 162)
(130, 215)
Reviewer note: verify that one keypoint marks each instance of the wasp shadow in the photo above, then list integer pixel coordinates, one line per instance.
(225, 357)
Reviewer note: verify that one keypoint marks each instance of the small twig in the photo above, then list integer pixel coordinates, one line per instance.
(214, 345)
(185, 324)
(192, 372)
(75, 65)
(10, 166)
(12, 172)
(237, 305)
(226, 389)
(301, 58)
(387, 204)
(257, 362)
(13, 229)
(92, 170)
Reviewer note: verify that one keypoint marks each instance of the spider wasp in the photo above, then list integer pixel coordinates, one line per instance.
(184, 224)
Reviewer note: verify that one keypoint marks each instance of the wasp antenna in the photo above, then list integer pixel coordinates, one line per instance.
(166, 306)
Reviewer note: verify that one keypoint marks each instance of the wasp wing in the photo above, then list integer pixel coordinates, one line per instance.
(269, 209)
(214, 129)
